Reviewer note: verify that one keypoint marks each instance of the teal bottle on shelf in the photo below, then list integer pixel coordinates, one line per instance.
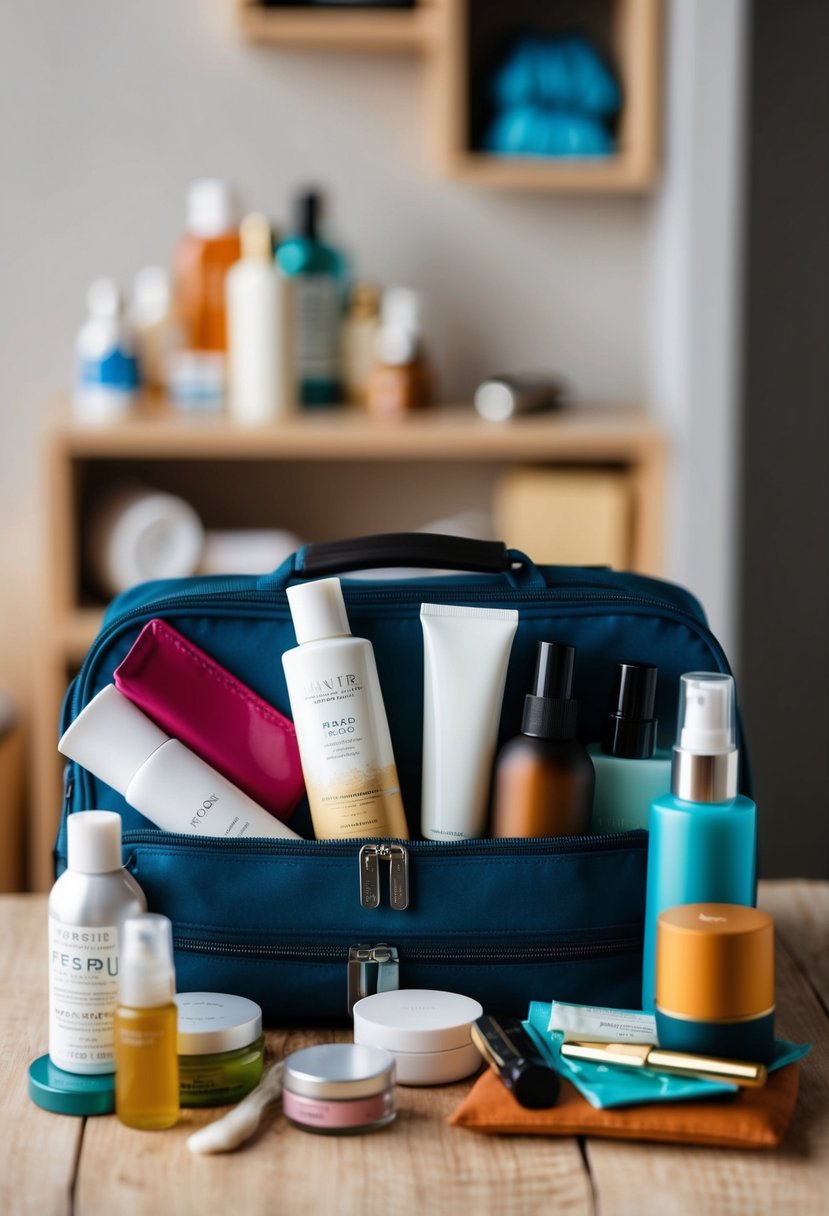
(703, 834)
(318, 274)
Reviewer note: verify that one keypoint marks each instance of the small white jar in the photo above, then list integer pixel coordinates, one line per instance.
(427, 1033)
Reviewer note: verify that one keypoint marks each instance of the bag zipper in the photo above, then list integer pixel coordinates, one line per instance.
(485, 846)
(409, 953)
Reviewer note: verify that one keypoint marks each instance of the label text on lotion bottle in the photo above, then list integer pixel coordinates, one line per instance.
(83, 993)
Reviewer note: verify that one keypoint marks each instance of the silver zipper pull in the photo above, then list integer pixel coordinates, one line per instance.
(398, 858)
(371, 969)
(398, 877)
(369, 876)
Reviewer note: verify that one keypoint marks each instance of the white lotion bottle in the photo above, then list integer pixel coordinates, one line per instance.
(159, 776)
(87, 907)
(340, 720)
(259, 330)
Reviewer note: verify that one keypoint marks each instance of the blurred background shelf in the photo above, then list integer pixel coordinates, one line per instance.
(339, 29)
(541, 478)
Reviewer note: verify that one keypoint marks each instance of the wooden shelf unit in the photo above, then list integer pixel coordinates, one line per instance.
(442, 31)
(401, 474)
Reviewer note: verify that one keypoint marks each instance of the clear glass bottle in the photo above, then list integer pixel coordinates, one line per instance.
(146, 1026)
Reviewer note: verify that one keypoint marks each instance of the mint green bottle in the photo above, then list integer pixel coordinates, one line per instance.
(630, 770)
(318, 274)
(703, 835)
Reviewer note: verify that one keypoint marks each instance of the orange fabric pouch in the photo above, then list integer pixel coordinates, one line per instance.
(752, 1118)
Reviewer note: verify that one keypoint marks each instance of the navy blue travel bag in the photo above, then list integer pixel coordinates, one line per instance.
(505, 921)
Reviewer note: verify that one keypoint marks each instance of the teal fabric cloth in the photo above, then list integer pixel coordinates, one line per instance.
(605, 1086)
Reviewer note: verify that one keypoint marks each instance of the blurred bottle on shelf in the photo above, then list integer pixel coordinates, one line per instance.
(106, 356)
(318, 272)
(261, 376)
(402, 379)
(205, 252)
(156, 329)
(359, 341)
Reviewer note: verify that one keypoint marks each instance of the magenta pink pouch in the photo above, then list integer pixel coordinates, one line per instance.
(194, 699)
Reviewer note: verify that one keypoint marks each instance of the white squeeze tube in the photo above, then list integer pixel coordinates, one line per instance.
(159, 776)
(465, 657)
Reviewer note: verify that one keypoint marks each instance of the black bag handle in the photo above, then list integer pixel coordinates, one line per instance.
(420, 549)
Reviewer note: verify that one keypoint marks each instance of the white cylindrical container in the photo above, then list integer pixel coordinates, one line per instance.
(261, 374)
(87, 907)
(159, 776)
(137, 534)
(340, 720)
(427, 1032)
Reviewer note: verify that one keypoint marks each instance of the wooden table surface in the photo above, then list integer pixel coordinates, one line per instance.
(55, 1165)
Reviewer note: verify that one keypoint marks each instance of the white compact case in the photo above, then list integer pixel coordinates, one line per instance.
(427, 1033)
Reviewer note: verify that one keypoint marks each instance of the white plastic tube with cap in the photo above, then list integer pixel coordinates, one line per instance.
(465, 655)
(159, 776)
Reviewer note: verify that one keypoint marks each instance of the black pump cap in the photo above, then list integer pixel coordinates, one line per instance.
(629, 729)
(308, 208)
(549, 711)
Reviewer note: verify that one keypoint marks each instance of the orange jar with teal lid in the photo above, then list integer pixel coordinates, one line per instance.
(715, 981)
(221, 1048)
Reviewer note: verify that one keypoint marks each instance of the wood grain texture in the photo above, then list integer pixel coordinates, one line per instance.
(38, 1150)
(415, 1166)
(671, 1181)
(801, 912)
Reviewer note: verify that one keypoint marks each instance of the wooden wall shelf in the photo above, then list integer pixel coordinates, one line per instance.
(402, 30)
(425, 467)
(456, 45)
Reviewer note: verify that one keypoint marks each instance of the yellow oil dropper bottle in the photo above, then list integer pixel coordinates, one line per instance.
(146, 1026)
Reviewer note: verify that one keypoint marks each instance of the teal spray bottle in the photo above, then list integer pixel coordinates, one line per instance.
(702, 846)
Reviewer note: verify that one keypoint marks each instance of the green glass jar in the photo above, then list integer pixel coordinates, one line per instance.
(221, 1048)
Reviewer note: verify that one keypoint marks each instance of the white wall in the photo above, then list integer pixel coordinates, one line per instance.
(694, 323)
(109, 109)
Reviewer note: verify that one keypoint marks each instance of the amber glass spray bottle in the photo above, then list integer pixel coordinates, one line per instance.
(544, 777)
(146, 1026)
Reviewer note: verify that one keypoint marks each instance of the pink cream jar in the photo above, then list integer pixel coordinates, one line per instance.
(339, 1088)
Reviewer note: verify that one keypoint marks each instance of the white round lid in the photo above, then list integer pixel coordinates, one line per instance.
(210, 1022)
(336, 1071)
(416, 1019)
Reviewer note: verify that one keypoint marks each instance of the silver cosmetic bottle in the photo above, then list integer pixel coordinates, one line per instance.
(87, 906)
